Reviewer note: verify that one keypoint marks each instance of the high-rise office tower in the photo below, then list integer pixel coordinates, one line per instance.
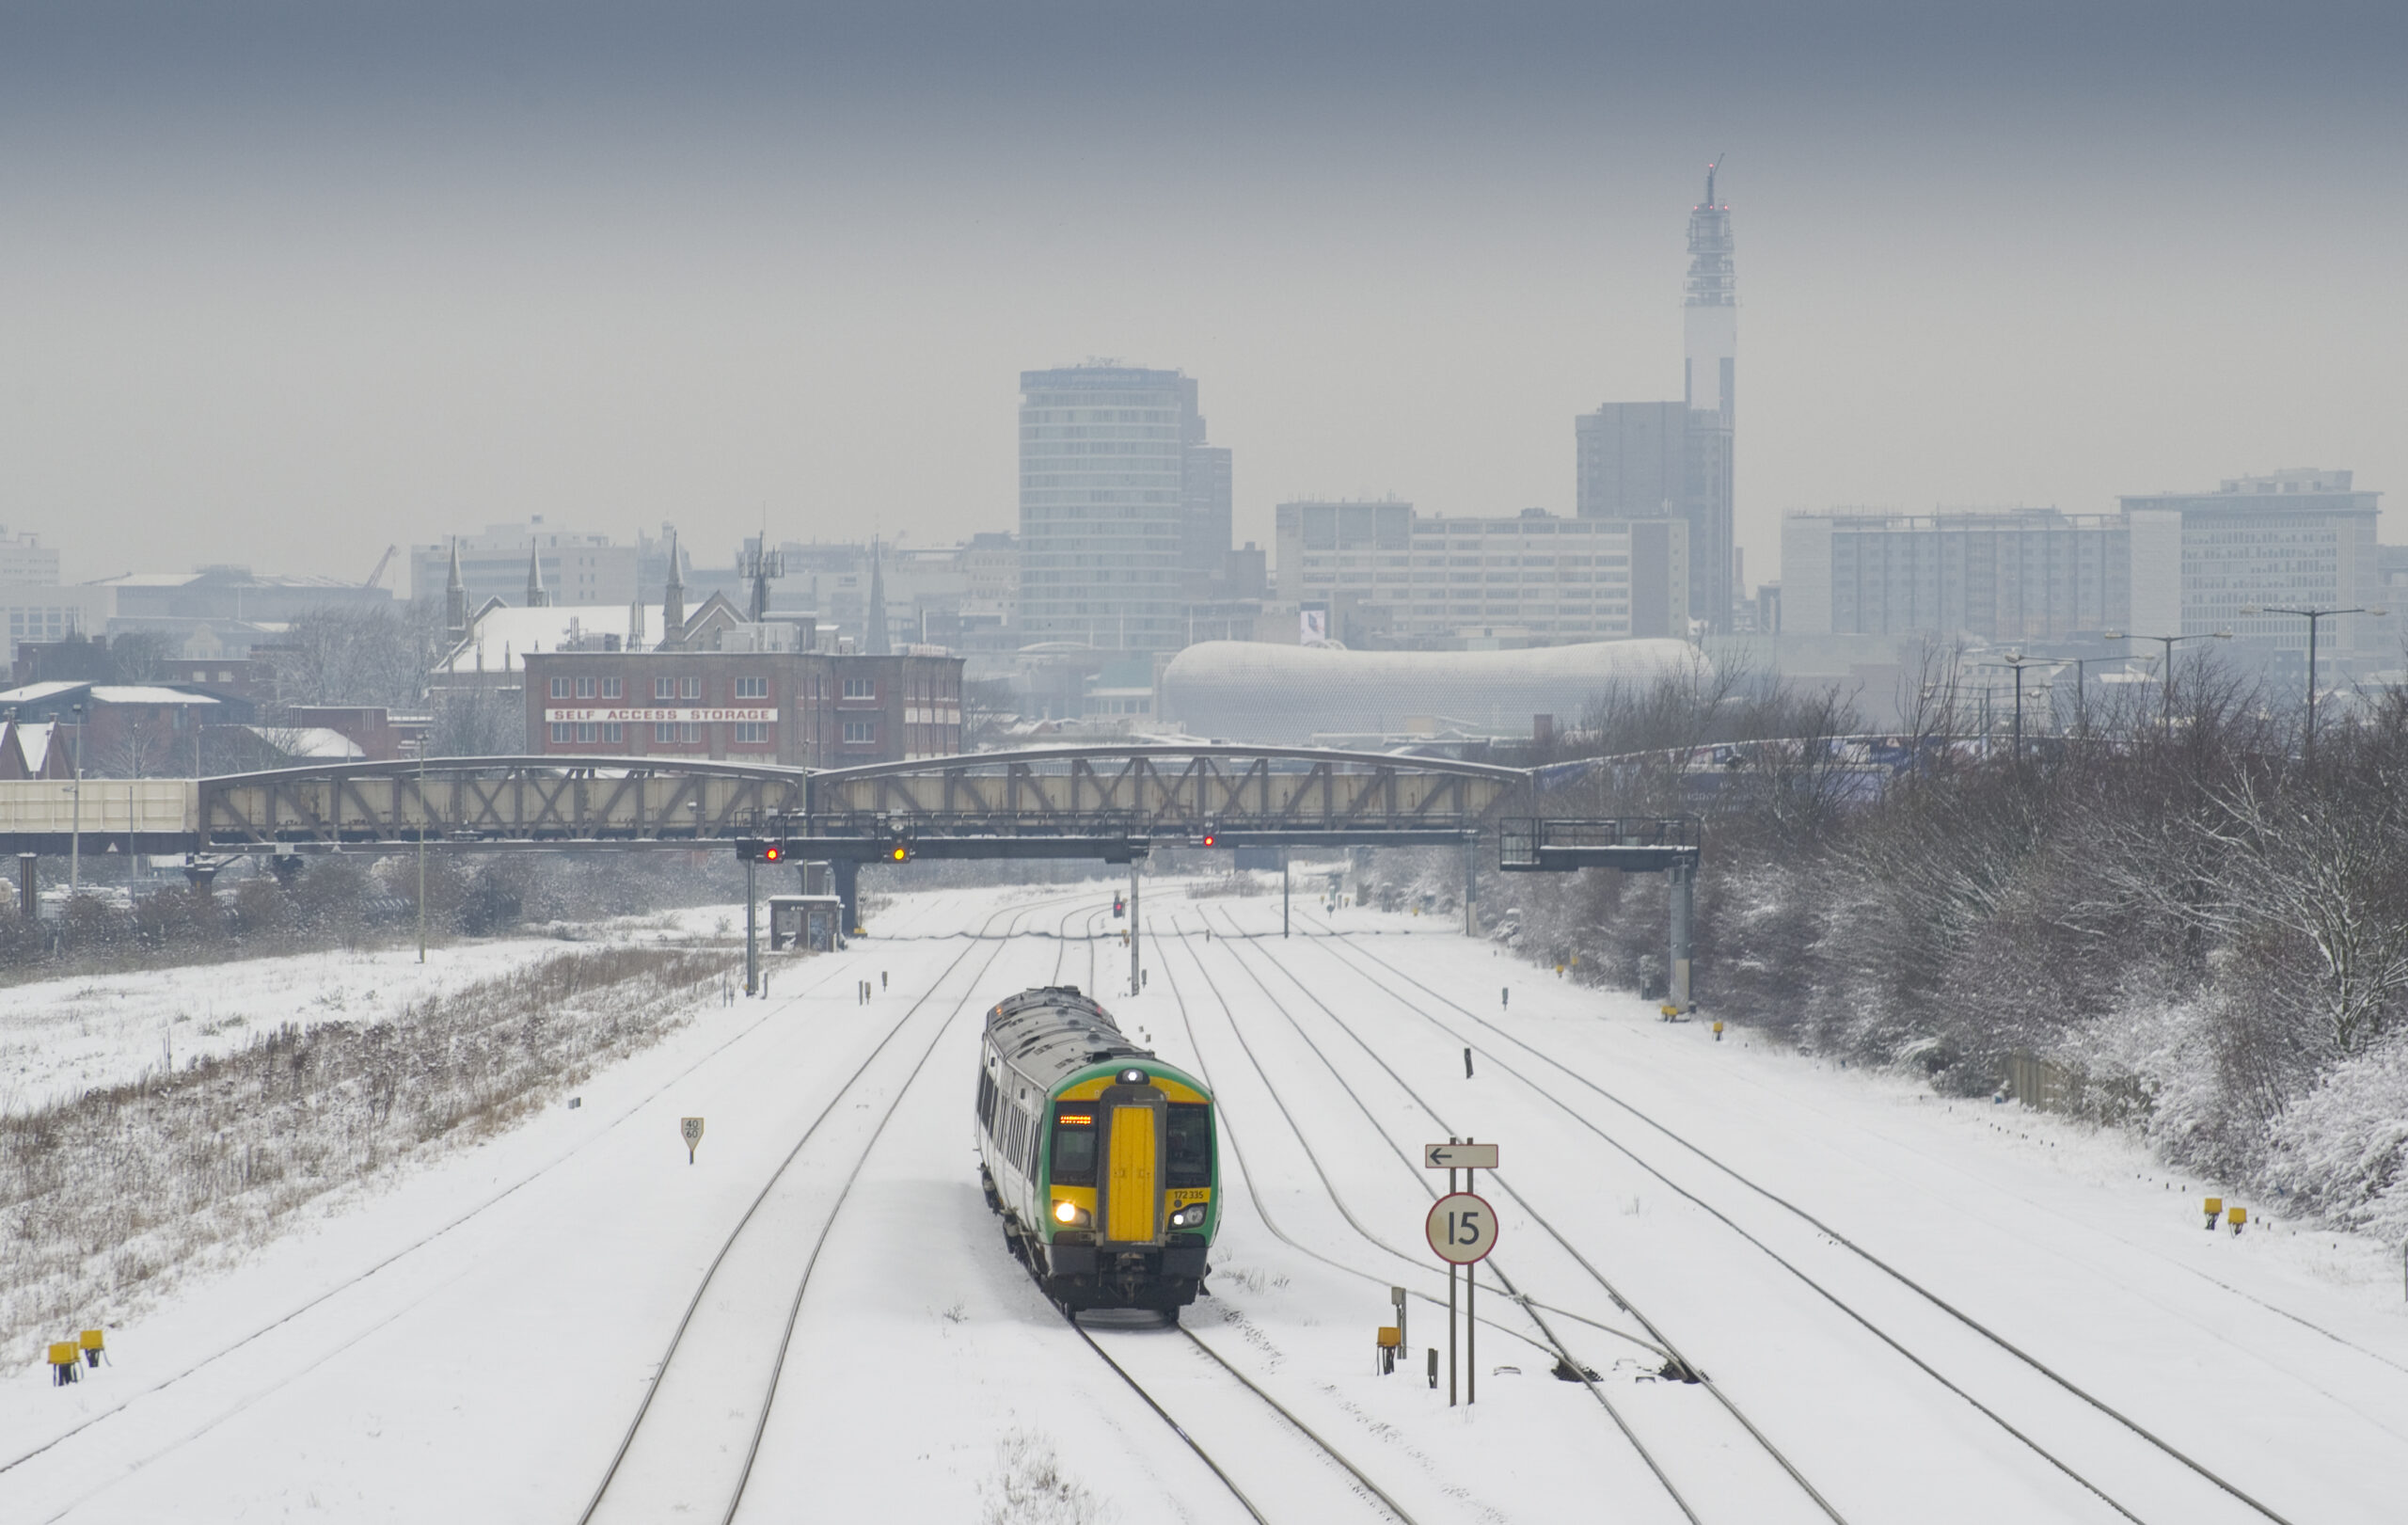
(1108, 518)
(1651, 460)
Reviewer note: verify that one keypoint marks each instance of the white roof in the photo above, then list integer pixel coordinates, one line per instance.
(312, 741)
(33, 739)
(136, 693)
(1258, 691)
(508, 634)
(34, 693)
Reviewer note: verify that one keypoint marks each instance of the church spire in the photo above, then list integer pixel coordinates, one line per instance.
(455, 600)
(673, 599)
(874, 640)
(536, 596)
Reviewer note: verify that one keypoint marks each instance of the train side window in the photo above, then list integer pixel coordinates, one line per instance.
(1074, 1145)
(1028, 1166)
(1012, 1133)
(1190, 1145)
(986, 1101)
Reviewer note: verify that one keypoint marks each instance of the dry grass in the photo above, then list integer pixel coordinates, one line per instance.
(105, 1199)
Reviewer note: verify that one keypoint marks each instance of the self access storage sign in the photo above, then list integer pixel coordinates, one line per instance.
(685, 715)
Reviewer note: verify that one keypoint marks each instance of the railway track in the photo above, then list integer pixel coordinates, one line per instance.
(1488, 1048)
(1656, 1339)
(684, 1415)
(246, 1344)
(1133, 1351)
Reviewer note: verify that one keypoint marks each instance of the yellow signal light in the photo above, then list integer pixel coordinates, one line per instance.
(900, 852)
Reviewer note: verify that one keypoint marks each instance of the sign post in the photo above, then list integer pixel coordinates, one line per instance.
(691, 1129)
(1462, 1230)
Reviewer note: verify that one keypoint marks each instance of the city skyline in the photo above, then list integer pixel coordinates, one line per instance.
(279, 302)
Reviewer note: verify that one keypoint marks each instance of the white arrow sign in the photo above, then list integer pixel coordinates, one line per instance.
(1459, 1156)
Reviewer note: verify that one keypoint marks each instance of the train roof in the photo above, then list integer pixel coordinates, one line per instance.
(1054, 1031)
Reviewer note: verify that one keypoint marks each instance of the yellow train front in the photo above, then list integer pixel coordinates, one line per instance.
(1100, 1158)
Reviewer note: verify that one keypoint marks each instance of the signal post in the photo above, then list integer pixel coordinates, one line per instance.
(1462, 1230)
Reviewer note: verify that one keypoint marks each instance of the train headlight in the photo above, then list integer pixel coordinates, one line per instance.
(1068, 1211)
(1188, 1217)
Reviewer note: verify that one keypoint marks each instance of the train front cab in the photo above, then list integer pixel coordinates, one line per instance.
(1129, 1202)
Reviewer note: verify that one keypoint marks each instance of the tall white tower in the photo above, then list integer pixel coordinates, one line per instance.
(1710, 319)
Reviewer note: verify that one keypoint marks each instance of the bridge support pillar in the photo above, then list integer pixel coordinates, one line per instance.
(28, 897)
(286, 867)
(1136, 943)
(751, 930)
(1471, 885)
(204, 875)
(848, 875)
(1682, 879)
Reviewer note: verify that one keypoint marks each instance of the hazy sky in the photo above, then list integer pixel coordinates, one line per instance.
(283, 283)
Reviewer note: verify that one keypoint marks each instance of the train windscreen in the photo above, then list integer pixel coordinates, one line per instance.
(1190, 1145)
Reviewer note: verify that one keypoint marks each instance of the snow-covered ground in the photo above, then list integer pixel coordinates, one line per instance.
(474, 1343)
(61, 1037)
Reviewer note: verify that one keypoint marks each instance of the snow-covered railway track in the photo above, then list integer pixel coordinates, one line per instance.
(1657, 1457)
(1142, 1348)
(242, 1352)
(686, 1453)
(1917, 1350)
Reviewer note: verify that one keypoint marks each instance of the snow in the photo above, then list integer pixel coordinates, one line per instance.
(473, 1344)
(59, 1038)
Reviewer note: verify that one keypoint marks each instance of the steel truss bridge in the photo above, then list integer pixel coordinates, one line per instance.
(1107, 802)
(1116, 804)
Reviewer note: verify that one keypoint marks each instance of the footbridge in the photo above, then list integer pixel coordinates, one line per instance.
(1114, 803)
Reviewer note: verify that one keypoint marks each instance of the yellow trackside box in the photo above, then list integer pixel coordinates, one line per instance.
(1391, 1337)
(2215, 1205)
(63, 1353)
(2237, 1216)
(91, 1340)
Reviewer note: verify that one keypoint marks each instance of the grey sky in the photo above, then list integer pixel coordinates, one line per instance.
(284, 283)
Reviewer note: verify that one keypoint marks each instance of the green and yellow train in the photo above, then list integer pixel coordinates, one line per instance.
(1100, 1158)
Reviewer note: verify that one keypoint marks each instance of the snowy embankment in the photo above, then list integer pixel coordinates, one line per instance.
(61, 1038)
(310, 1076)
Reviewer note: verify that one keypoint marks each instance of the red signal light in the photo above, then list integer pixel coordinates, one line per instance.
(774, 852)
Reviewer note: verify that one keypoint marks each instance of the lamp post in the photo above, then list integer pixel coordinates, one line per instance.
(2080, 689)
(422, 847)
(76, 816)
(2308, 747)
(2165, 682)
(2017, 662)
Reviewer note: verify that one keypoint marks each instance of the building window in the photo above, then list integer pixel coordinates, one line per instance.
(664, 687)
(752, 732)
(585, 687)
(689, 687)
(560, 687)
(861, 688)
(588, 731)
(752, 687)
(860, 731)
(614, 732)
(688, 732)
(611, 689)
(563, 731)
(662, 730)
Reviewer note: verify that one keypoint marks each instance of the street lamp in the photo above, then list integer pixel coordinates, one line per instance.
(76, 817)
(2165, 684)
(2017, 662)
(2307, 749)
(2081, 688)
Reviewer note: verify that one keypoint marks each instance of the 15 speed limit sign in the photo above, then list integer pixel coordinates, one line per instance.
(1462, 1228)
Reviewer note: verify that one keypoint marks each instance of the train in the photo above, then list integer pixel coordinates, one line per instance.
(1101, 1160)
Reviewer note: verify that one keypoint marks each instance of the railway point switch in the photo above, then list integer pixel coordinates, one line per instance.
(2236, 1217)
(91, 1341)
(2215, 1211)
(66, 1362)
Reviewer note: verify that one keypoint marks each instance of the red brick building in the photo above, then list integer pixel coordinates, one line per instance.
(813, 709)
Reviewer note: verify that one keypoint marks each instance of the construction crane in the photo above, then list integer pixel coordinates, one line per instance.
(381, 562)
